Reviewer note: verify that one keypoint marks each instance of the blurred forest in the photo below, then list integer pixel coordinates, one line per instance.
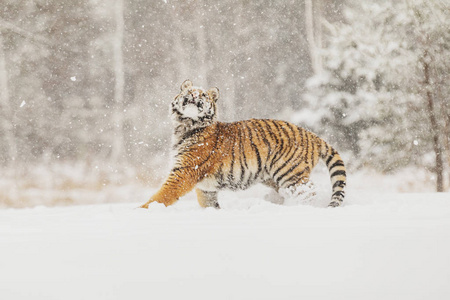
(85, 85)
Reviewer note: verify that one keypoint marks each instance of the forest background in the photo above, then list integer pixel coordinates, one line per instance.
(85, 85)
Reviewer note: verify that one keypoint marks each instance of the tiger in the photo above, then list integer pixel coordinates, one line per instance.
(211, 156)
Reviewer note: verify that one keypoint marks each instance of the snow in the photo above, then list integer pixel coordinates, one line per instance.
(377, 246)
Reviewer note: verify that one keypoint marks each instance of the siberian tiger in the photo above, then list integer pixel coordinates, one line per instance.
(212, 155)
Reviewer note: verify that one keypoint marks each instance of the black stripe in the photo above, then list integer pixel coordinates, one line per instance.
(290, 126)
(276, 144)
(261, 131)
(180, 168)
(259, 136)
(311, 153)
(283, 149)
(338, 163)
(280, 168)
(231, 173)
(304, 139)
(307, 148)
(203, 162)
(287, 172)
(258, 157)
(339, 183)
(280, 142)
(269, 129)
(288, 160)
(183, 119)
(189, 134)
(326, 149)
(294, 135)
(241, 146)
(284, 130)
(298, 175)
(216, 142)
(209, 192)
(250, 178)
(170, 181)
(241, 179)
(219, 175)
(207, 117)
(338, 193)
(330, 157)
(337, 173)
(242, 156)
(263, 134)
(255, 148)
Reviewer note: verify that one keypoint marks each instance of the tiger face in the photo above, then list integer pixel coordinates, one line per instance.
(195, 103)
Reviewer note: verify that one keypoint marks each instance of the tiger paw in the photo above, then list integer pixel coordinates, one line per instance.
(334, 203)
(153, 206)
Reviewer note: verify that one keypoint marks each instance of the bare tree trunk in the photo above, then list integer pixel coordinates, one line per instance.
(181, 56)
(447, 139)
(119, 84)
(203, 51)
(318, 34)
(314, 34)
(445, 115)
(6, 114)
(182, 73)
(439, 169)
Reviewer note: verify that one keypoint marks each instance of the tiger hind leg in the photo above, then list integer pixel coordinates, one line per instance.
(207, 198)
(302, 193)
(273, 196)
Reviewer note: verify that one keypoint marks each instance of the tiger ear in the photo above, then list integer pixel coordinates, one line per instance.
(186, 84)
(214, 93)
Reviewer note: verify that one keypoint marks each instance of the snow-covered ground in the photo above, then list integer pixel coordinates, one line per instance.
(377, 246)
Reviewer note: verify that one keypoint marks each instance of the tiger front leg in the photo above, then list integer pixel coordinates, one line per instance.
(207, 198)
(179, 183)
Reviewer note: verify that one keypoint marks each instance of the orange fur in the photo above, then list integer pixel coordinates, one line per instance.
(215, 155)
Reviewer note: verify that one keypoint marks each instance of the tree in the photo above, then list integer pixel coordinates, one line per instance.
(384, 71)
(119, 82)
(314, 33)
(432, 39)
(6, 114)
(99, 76)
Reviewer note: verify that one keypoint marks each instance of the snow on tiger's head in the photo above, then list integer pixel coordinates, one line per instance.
(195, 103)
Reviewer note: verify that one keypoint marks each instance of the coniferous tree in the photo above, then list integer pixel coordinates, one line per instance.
(385, 70)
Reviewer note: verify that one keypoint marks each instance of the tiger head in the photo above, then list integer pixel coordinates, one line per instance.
(195, 104)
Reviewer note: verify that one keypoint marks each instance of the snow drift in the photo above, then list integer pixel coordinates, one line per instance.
(378, 246)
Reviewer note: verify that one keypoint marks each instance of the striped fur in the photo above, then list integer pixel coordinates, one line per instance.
(212, 155)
